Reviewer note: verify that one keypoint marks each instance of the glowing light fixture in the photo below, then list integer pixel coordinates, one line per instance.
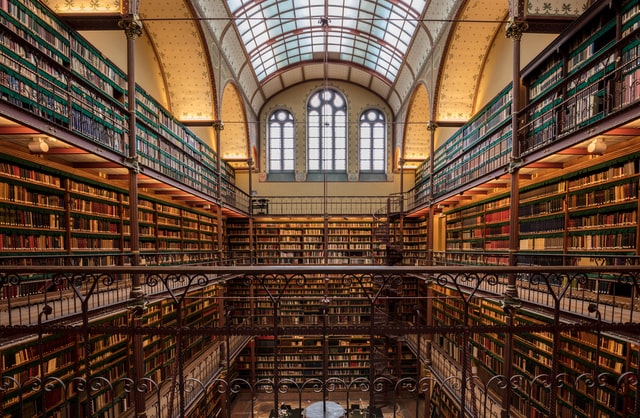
(597, 146)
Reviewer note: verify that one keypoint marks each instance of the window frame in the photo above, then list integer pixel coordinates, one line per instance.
(371, 126)
(331, 126)
(283, 124)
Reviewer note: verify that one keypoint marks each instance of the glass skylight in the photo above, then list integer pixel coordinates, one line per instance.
(374, 34)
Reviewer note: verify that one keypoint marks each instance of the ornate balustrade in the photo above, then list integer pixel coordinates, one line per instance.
(56, 348)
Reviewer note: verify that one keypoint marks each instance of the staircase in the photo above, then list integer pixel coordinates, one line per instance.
(383, 356)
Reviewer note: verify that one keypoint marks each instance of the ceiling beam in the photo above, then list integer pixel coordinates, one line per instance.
(476, 192)
(497, 185)
(542, 164)
(574, 151)
(18, 130)
(141, 177)
(66, 151)
(171, 192)
(520, 176)
(97, 164)
(92, 21)
(624, 132)
(155, 186)
(190, 199)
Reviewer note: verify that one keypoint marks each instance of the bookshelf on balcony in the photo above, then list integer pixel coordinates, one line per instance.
(592, 210)
(582, 77)
(580, 353)
(301, 240)
(350, 241)
(62, 360)
(421, 183)
(629, 63)
(602, 210)
(52, 72)
(22, 363)
(480, 147)
(480, 227)
(542, 217)
(32, 211)
(97, 222)
(46, 210)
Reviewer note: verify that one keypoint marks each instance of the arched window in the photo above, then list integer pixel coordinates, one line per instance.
(372, 141)
(281, 142)
(327, 131)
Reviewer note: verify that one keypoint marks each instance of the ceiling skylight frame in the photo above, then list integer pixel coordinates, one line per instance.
(374, 34)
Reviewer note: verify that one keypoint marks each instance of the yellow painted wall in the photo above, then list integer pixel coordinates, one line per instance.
(497, 73)
(295, 100)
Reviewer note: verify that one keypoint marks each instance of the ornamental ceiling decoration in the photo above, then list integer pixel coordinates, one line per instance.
(556, 7)
(475, 27)
(269, 45)
(416, 134)
(176, 37)
(234, 136)
(84, 6)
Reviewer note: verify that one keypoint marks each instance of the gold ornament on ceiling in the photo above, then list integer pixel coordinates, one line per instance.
(84, 6)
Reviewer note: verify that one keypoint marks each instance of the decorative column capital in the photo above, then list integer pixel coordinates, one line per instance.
(131, 25)
(515, 29)
(218, 125)
(432, 126)
(132, 164)
(514, 164)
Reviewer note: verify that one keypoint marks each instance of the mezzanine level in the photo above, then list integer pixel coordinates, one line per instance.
(69, 352)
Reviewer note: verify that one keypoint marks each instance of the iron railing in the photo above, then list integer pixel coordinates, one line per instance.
(310, 206)
(76, 301)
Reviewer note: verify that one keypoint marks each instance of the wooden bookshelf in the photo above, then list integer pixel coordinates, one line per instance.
(108, 356)
(302, 240)
(575, 82)
(47, 210)
(301, 357)
(481, 227)
(414, 240)
(478, 148)
(579, 353)
(592, 210)
(51, 71)
(23, 363)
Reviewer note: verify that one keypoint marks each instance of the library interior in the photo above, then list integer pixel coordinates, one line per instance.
(380, 208)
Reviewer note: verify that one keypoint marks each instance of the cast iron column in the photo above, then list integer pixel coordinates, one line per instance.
(218, 126)
(431, 127)
(511, 302)
(133, 29)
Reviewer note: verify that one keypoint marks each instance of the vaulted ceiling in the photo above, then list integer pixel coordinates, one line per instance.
(427, 54)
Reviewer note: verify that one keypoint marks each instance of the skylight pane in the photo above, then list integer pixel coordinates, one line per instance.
(270, 11)
(381, 23)
(289, 26)
(234, 5)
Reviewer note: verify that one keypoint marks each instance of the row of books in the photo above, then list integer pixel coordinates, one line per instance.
(97, 115)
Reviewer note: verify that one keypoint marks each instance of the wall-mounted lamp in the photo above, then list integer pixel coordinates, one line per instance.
(597, 146)
(38, 146)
